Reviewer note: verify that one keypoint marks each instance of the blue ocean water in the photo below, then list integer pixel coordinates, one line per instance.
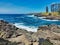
(28, 22)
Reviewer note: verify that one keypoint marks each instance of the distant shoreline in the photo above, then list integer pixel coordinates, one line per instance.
(47, 17)
(44, 18)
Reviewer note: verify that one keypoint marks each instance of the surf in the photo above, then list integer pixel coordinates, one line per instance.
(28, 28)
(43, 18)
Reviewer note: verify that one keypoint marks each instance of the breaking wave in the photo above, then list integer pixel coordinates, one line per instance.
(28, 28)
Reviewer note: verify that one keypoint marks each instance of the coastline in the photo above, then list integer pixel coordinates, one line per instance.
(50, 17)
(47, 19)
(19, 36)
(28, 22)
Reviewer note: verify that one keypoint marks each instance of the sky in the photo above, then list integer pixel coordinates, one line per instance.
(24, 6)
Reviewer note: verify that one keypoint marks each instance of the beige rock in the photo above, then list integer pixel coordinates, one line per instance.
(20, 39)
(35, 43)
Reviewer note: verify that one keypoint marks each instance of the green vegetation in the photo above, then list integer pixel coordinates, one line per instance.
(59, 12)
(45, 13)
(51, 13)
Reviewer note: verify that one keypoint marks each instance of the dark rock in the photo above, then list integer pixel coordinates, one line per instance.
(6, 42)
(10, 29)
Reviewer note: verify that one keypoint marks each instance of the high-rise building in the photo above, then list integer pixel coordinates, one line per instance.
(55, 7)
(47, 9)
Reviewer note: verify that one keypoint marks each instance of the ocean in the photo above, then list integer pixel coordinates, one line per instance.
(28, 22)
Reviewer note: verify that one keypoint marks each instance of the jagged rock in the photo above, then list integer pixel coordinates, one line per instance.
(22, 37)
(51, 31)
(9, 30)
(12, 33)
(6, 42)
(44, 27)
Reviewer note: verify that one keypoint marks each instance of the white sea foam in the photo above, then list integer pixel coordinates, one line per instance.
(42, 18)
(30, 15)
(33, 29)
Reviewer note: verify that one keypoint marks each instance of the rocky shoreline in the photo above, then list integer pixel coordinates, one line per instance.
(53, 17)
(48, 16)
(11, 35)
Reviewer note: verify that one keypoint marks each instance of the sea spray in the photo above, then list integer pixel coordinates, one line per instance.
(28, 28)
